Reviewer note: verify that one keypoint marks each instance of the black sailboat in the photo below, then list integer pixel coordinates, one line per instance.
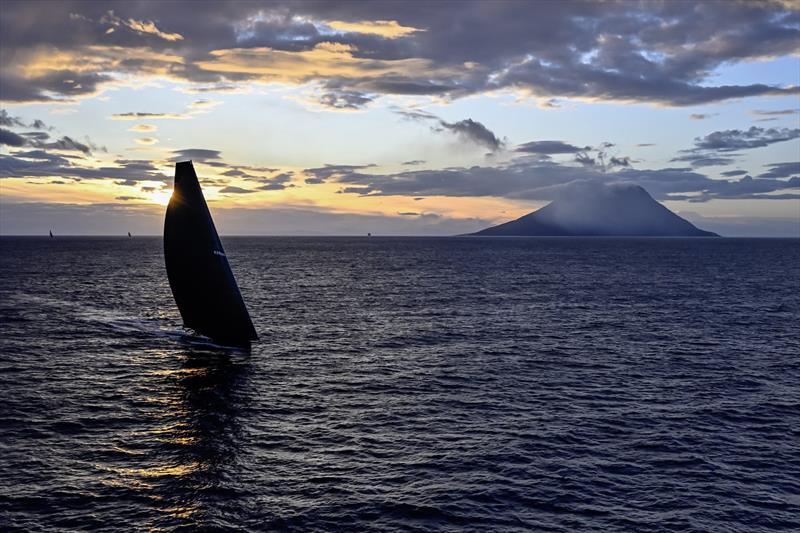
(199, 274)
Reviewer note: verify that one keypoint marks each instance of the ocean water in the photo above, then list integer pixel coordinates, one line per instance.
(406, 384)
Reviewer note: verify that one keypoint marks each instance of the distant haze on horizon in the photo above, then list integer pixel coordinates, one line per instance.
(395, 118)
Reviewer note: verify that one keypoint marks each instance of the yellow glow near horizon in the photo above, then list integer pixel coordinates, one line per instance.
(161, 197)
(322, 196)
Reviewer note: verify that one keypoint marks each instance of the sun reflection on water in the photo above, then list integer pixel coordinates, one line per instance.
(187, 438)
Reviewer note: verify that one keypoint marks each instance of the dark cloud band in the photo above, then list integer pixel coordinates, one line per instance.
(655, 52)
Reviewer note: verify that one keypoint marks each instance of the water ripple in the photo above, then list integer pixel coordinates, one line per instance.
(406, 385)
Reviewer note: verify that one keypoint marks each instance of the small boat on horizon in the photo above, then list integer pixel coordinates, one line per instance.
(51, 234)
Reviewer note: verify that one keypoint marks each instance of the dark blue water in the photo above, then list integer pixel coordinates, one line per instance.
(406, 384)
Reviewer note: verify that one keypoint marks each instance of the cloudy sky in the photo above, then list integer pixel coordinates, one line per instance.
(395, 117)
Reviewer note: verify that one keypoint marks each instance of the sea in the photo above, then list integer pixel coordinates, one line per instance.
(405, 384)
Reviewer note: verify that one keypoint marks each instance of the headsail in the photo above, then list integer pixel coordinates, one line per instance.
(199, 274)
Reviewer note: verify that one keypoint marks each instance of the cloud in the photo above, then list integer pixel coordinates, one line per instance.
(128, 198)
(534, 179)
(348, 100)
(217, 88)
(246, 172)
(272, 187)
(416, 114)
(12, 122)
(468, 129)
(602, 159)
(782, 170)
(65, 143)
(474, 131)
(138, 26)
(56, 85)
(745, 188)
(277, 182)
(619, 161)
(9, 138)
(326, 60)
(40, 163)
(195, 154)
(652, 52)
(549, 147)
(230, 189)
(36, 135)
(150, 27)
(702, 116)
(39, 140)
(702, 159)
(146, 140)
(204, 104)
(406, 85)
(771, 115)
(389, 29)
(731, 173)
(148, 116)
(716, 148)
(143, 128)
(322, 174)
(774, 113)
(414, 162)
(585, 159)
(9, 121)
(755, 137)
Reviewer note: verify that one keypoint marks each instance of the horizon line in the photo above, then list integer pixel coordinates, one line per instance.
(240, 235)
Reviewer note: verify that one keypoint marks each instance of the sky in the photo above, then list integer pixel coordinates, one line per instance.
(395, 118)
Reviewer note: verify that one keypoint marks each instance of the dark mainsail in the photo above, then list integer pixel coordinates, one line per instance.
(199, 274)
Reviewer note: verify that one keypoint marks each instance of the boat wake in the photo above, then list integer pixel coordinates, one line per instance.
(112, 322)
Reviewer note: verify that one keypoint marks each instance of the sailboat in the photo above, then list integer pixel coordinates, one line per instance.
(199, 275)
(51, 234)
(129, 234)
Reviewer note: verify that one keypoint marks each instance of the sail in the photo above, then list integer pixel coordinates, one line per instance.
(199, 274)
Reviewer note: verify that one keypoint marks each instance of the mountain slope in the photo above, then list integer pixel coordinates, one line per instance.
(597, 209)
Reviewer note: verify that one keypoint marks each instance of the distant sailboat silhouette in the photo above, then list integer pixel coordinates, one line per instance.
(129, 234)
(51, 234)
(199, 274)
